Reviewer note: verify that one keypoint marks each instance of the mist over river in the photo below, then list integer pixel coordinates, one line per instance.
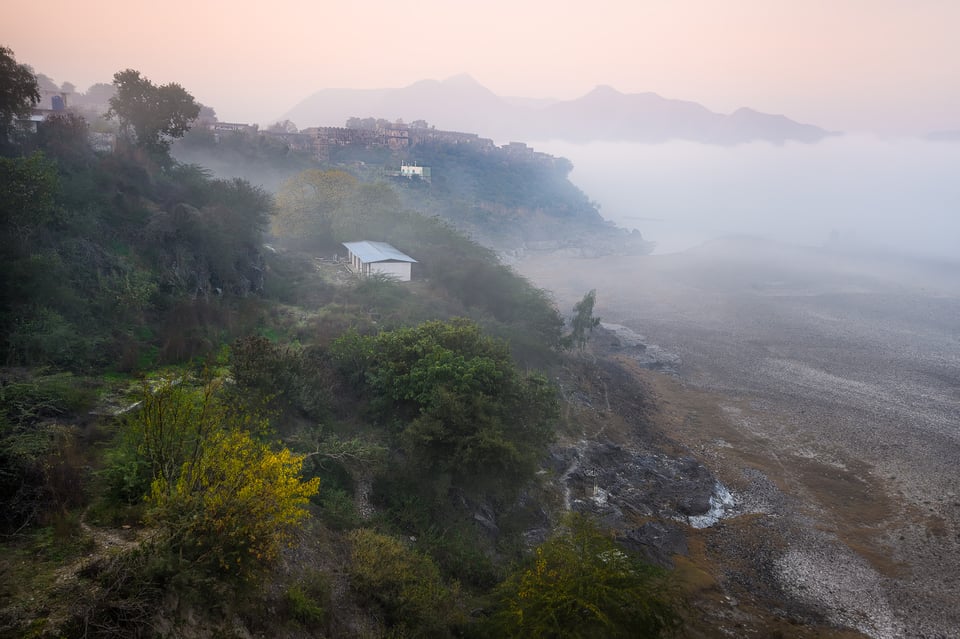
(858, 191)
(831, 349)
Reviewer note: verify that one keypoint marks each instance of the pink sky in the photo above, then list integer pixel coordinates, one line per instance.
(885, 65)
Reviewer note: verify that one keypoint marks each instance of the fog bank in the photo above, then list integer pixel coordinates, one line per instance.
(853, 192)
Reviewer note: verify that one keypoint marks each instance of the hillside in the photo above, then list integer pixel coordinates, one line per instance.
(510, 198)
(200, 431)
(206, 434)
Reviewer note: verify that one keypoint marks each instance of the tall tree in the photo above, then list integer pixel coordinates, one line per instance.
(150, 115)
(583, 320)
(306, 204)
(18, 91)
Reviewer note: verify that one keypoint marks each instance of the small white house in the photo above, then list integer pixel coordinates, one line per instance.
(379, 257)
(411, 171)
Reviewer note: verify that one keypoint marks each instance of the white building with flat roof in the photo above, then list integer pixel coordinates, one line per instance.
(379, 257)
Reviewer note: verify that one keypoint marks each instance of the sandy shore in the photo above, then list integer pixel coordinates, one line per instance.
(837, 389)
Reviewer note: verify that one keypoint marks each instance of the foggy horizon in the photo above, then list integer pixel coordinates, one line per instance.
(878, 66)
(850, 193)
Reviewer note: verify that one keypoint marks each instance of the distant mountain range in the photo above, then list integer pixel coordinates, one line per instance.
(461, 103)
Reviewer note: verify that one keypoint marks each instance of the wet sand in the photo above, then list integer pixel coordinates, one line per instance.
(836, 387)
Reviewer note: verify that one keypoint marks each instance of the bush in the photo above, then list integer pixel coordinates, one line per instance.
(581, 584)
(41, 468)
(224, 500)
(309, 600)
(458, 405)
(283, 376)
(406, 584)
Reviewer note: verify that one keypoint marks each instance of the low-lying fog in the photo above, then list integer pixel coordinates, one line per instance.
(864, 192)
(850, 359)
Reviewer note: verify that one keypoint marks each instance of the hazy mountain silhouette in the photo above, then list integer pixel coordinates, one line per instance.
(460, 103)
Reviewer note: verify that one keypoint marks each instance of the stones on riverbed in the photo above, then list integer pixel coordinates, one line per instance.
(619, 338)
(658, 541)
(618, 485)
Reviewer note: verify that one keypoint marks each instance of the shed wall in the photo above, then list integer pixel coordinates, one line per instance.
(399, 270)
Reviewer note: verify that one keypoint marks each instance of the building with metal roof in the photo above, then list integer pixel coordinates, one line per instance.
(379, 257)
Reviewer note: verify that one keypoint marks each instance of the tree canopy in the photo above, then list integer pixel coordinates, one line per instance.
(583, 320)
(150, 115)
(19, 91)
(460, 406)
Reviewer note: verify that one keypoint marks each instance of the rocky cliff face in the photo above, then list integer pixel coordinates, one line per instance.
(623, 471)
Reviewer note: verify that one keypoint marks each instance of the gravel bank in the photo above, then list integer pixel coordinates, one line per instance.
(837, 381)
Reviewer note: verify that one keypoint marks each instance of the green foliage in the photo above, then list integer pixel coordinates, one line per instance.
(101, 249)
(353, 355)
(41, 468)
(36, 474)
(150, 115)
(28, 398)
(320, 209)
(499, 196)
(337, 509)
(283, 376)
(460, 406)
(580, 584)
(28, 188)
(43, 336)
(307, 202)
(18, 92)
(473, 275)
(405, 584)
(309, 600)
(583, 319)
(225, 501)
(64, 136)
(211, 246)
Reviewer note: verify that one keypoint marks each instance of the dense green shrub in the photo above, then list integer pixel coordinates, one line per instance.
(455, 401)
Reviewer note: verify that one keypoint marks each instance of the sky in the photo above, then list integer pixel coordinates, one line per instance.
(885, 66)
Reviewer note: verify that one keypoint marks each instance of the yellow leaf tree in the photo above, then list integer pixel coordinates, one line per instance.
(307, 201)
(222, 499)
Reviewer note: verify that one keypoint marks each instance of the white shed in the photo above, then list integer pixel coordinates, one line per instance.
(379, 257)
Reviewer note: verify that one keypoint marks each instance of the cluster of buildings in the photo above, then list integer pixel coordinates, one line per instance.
(321, 141)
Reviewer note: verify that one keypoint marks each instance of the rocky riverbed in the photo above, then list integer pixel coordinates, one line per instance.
(822, 392)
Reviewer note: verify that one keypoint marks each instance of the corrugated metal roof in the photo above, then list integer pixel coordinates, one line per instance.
(369, 252)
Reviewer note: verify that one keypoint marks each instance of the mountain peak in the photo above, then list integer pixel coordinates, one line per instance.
(461, 103)
(462, 80)
(604, 90)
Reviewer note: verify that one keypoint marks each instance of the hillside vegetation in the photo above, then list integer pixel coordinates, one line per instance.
(205, 435)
